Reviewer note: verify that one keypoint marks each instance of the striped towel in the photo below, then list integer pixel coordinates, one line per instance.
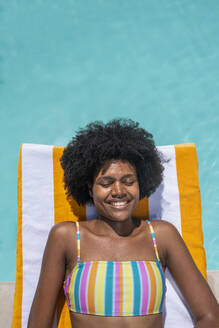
(42, 203)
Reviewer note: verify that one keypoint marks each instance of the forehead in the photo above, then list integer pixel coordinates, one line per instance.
(115, 167)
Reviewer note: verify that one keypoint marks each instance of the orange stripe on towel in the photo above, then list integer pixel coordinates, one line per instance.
(17, 312)
(64, 210)
(190, 202)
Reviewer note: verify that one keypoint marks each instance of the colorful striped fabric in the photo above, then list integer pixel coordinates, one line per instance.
(113, 288)
(78, 241)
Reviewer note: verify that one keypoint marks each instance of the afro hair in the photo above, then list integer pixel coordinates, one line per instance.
(97, 143)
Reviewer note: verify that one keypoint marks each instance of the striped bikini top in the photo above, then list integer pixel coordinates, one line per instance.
(116, 288)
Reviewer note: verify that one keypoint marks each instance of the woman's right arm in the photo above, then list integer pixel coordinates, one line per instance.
(50, 281)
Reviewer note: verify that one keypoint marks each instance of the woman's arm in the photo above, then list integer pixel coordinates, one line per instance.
(193, 286)
(50, 281)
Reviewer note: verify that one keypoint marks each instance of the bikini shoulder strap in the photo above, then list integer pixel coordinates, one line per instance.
(78, 241)
(153, 238)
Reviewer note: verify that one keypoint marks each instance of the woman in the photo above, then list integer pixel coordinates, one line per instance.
(112, 267)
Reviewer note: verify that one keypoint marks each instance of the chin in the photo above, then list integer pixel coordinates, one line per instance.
(119, 218)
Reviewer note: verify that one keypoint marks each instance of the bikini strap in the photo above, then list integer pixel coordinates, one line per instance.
(78, 241)
(154, 239)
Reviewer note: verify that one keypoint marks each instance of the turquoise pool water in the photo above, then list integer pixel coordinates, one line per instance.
(63, 64)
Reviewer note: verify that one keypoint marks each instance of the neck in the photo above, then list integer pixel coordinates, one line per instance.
(124, 228)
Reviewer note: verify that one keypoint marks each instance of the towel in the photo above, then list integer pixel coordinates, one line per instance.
(42, 203)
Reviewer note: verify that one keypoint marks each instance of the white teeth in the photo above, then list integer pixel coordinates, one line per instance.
(118, 203)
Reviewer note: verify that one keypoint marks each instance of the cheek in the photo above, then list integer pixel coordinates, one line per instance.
(98, 194)
(136, 192)
(135, 189)
(99, 203)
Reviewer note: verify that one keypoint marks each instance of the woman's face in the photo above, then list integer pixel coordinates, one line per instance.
(115, 190)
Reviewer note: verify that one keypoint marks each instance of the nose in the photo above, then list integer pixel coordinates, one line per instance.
(118, 190)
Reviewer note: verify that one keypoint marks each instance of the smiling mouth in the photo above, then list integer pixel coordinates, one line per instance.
(119, 204)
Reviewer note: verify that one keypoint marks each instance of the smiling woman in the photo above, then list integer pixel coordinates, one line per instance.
(113, 267)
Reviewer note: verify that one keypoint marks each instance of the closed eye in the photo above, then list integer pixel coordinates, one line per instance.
(105, 185)
(129, 183)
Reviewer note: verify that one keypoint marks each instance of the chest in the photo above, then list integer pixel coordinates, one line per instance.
(116, 249)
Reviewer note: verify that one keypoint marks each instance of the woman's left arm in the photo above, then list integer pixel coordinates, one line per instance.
(193, 286)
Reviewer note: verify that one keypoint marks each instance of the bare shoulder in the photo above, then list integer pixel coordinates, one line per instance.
(67, 229)
(62, 232)
(164, 228)
(167, 237)
(63, 227)
(166, 233)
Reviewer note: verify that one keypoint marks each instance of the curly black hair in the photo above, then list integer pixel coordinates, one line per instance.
(119, 139)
